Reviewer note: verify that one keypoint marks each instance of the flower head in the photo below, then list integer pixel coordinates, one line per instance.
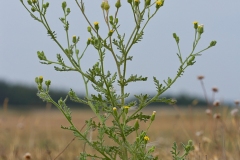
(146, 138)
(216, 103)
(200, 77)
(126, 107)
(215, 89)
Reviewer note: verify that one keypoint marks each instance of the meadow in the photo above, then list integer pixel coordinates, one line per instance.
(38, 135)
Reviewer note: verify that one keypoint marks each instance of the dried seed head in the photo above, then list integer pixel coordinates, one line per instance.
(216, 103)
(237, 102)
(234, 112)
(27, 156)
(208, 111)
(216, 116)
(215, 89)
(200, 77)
(206, 140)
(199, 133)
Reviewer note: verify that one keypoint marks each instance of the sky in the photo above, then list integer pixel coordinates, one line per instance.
(21, 37)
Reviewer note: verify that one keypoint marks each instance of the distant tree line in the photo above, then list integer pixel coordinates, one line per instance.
(21, 96)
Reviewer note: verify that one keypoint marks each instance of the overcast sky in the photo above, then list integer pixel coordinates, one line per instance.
(21, 37)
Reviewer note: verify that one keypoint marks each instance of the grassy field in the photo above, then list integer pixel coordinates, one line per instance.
(216, 137)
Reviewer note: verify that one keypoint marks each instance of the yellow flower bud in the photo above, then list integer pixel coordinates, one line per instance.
(110, 33)
(136, 2)
(126, 109)
(195, 23)
(159, 3)
(40, 79)
(89, 41)
(96, 25)
(115, 111)
(74, 39)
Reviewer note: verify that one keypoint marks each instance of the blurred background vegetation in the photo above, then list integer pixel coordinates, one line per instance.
(20, 96)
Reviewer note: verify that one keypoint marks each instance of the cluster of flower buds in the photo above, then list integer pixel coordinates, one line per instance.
(159, 3)
(39, 81)
(105, 6)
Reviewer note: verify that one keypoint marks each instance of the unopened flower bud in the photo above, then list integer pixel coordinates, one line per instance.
(89, 29)
(102, 5)
(29, 2)
(48, 83)
(74, 39)
(147, 2)
(195, 24)
(118, 4)
(33, 9)
(190, 142)
(213, 43)
(68, 10)
(64, 5)
(130, 1)
(96, 25)
(126, 109)
(88, 41)
(136, 2)
(105, 5)
(136, 125)
(200, 29)
(116, 20)
(36, 80)
(34, 1)
(40, 79)
(47, 5)
(115, 111)
(153, 116)
(110, 33)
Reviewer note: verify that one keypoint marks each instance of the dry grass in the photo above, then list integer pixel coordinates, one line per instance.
(39, 134)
